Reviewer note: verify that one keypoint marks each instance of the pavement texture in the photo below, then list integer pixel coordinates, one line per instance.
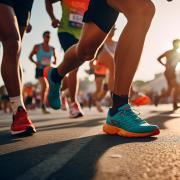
(77, 149)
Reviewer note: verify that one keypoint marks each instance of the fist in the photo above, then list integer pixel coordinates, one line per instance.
(28, 28)
(55, 23)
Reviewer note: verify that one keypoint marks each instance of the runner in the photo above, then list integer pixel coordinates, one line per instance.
(14, 18)
(172, 58)
(4, 100)
(100, 73)
(69, 32)
(104, 70)
(99, 19)
(44, 53)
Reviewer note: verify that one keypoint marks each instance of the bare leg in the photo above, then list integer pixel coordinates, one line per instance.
(73, 85)
(139, 14)
(77, 54)
(44, 89)
(105, 58)
(11, 41)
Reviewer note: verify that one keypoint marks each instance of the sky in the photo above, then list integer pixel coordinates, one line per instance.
(164, 28)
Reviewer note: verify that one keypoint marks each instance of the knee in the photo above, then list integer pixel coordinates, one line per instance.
(142, 15)
(12, 45)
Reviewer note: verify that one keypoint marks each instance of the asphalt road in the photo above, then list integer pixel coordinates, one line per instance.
(77, 149)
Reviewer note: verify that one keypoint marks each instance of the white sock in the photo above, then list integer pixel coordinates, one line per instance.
(16, 102)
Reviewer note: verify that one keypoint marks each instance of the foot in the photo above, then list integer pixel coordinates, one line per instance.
(98, 106)
(54, 89)
(156, 100)
(45, 111)
(64, 103)
(22, 124)
(75, 111)
(128, 124)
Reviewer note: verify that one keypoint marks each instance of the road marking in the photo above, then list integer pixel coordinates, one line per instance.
(51, 165)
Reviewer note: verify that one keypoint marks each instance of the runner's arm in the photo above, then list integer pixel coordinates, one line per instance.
(55, 56)
(33, 52)
(49, 8)
(160, 59)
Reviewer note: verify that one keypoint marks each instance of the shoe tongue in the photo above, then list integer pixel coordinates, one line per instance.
(124, 107)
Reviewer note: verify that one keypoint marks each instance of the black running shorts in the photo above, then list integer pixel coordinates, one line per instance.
(67, 40)
(22, 9)
(100, 13)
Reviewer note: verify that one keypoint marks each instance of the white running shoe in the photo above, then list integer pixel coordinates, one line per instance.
(75, 110)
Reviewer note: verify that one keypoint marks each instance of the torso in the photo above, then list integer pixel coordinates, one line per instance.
(44, 55)
(72, 16)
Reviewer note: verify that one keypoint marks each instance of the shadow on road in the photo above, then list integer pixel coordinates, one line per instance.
(81, 166)
(86, 123)
(160, 119)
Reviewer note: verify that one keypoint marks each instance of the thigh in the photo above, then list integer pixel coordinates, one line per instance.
(128, 6)
(9, 25)
(92, 37)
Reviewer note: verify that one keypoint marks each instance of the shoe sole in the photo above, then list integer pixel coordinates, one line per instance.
(29, 131)
(112, 130)
(45, 74)
(77, 116)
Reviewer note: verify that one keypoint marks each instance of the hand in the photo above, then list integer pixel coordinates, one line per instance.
(55, 23)
(37, 64)
(28, 28)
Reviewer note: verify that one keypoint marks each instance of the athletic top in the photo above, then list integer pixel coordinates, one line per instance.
(110, 47)
(44, 57)
(72, 16)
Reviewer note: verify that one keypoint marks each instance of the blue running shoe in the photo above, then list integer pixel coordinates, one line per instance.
(127, 123)
(54, 90)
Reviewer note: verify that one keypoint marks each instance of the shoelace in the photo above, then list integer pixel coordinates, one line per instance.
(133, 114)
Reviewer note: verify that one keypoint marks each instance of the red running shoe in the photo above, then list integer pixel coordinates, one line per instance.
(21, 123)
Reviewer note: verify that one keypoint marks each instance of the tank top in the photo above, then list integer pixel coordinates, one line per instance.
(44, 57)
(110, 48)
(72, 16)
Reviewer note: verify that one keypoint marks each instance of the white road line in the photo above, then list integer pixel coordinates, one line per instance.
(44, 169)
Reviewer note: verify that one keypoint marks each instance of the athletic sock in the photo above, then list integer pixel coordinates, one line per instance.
(16, 102)
(55, 76)
(118, 101)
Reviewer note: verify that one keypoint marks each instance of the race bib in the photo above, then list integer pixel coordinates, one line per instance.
(75, 20)
(76, 9)
(45, 61)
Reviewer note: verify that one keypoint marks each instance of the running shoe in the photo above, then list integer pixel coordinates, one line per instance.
(75, 110)
(44, 109)
(54, 90)
(21, 123)
(126, 122)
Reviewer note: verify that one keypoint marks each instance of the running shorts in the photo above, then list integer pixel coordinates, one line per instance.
(22, 9)
(100, 13)
(67, 40)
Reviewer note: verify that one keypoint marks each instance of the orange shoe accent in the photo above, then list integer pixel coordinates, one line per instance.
(143, 100)
(22, 123)
(121, 132)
